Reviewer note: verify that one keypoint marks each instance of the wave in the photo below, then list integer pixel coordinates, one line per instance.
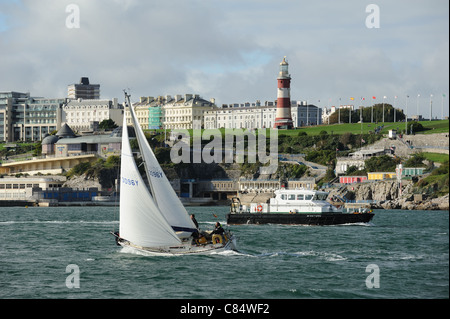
(321, 255)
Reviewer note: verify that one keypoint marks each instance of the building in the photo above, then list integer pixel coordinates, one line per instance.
(84, 115)
(185, 112)
(12, 114)
(356, 159)
(149, 112)
(42, 116)
(283, 118)
(12, 188)
(83, 90)
(352, 179)
(167, 112)
(63, 151)
(375, 176)
(65, 143)
(255, 115)
(28, 118)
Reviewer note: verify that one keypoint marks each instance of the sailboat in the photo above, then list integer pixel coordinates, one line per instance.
(152, 217)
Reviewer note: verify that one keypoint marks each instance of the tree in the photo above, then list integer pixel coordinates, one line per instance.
(107, 125)
(382, 163)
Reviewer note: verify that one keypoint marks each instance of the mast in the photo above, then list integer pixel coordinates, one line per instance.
(140, 143)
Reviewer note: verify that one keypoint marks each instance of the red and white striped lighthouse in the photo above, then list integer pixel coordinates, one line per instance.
(283, 118)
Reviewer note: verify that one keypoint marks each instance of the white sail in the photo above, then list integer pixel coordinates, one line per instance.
(141, 222)
(165, 197)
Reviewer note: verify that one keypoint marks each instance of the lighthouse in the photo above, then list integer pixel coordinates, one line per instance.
(283, 118)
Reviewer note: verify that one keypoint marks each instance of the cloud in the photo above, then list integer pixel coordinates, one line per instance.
(229, 50)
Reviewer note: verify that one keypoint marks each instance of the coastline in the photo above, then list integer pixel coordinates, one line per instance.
(408, 203)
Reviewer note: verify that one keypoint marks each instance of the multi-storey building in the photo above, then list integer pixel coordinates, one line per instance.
(185, 113)
(26, 118)
(149, 112)
(252, 116)
(42, 116)
(178, 112)
(84, 90)
(83, 115)
(12, 114)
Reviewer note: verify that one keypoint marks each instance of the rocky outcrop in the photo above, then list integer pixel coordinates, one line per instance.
(386, 195)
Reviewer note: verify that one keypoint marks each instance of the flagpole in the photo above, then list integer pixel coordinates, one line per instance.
(318, 102)
(431, 107)
(384, 97)
(395, 113)
(339, 112)
(307, 120)
(418, 95)
(406, 116)
(443, 95)
(371, 120)
(350, 115)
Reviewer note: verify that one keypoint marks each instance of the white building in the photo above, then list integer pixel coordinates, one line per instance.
(252, 116)
(12, 188)
(178, 112)
(185, 112)
(82, 115)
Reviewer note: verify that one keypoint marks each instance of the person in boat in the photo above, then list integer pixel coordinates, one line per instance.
(218, 230)
(194, 221)
(196, 233)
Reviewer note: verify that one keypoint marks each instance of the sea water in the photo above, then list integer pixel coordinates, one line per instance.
(68, 252)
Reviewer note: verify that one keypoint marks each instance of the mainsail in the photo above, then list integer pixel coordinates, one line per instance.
(141, 221)
(163, 193)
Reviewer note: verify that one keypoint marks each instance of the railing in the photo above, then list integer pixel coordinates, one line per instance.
(18, 158)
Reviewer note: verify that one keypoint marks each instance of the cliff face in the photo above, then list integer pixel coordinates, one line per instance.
(386, 194)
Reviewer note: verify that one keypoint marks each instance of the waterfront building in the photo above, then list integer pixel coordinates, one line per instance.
(283, 118)
(255, 115)
(83, 90)
(28, 118)
(356, 159)
(84, 115)
(375, 176)
(352, 179)
(42, 116)
(64, 150)
(185, 112)
(149, 112)
(13, 188)
(12, 115)
(167, 112)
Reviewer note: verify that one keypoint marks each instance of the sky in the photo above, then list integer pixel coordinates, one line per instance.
(231, 50)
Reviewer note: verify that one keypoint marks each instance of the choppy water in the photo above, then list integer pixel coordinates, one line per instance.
(410, 249)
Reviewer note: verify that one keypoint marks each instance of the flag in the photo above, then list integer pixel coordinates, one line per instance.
(385, 97)
(373, 97)
(352, 98)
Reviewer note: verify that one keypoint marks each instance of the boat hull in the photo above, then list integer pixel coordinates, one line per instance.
(299, 219)
(186, 249)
